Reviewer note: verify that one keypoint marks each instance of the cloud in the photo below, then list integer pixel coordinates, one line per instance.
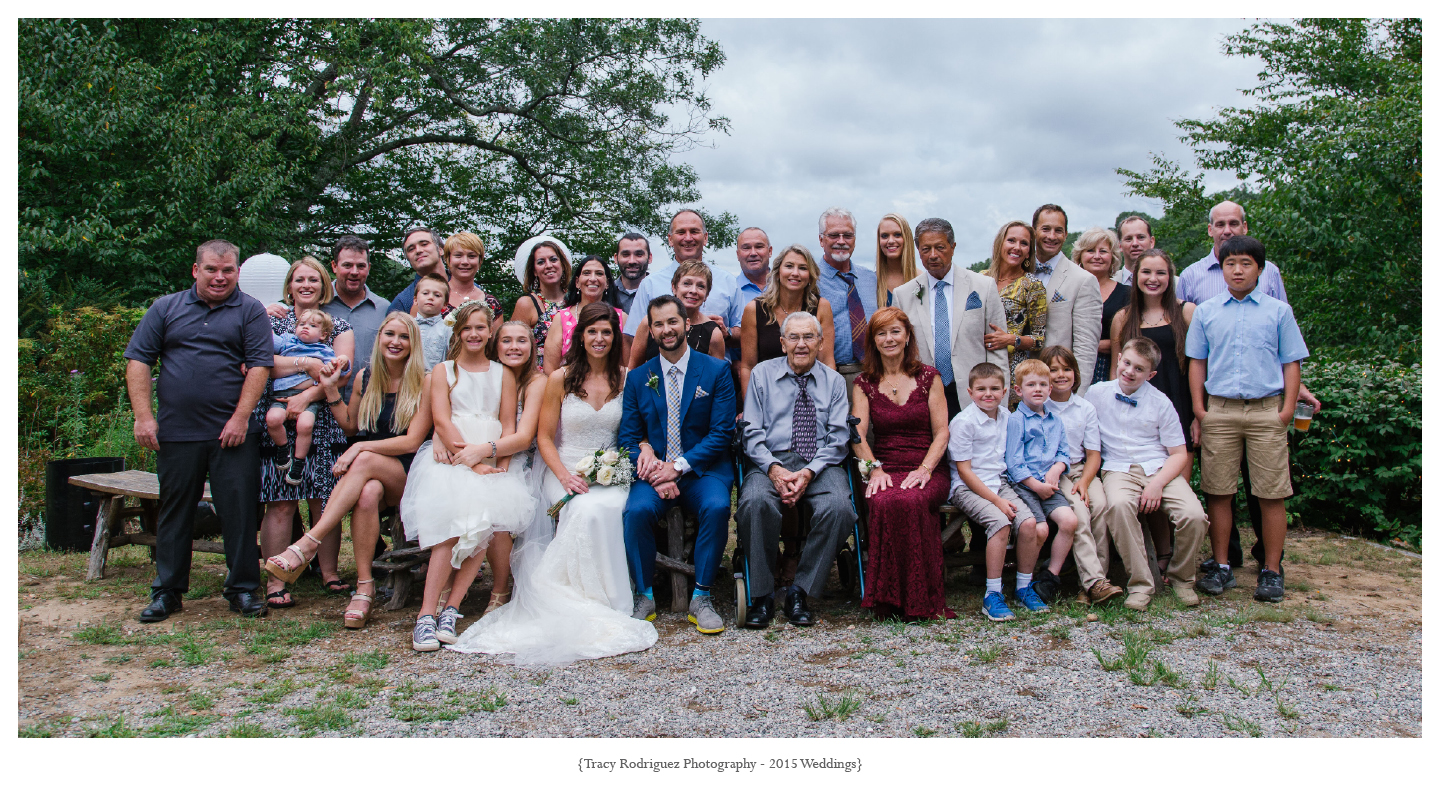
(976, 121)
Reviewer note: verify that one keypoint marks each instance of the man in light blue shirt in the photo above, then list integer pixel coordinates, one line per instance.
(752, 248)
(687, 239)
(850, 289)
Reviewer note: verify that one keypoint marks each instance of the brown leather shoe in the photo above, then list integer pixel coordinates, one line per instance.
(1104, 590)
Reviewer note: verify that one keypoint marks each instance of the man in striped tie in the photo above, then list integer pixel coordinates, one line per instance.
(850, 290)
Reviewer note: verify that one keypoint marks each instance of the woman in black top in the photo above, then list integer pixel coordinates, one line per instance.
(390, 408)
(794, 286)
(691, 284)
(1095, 252)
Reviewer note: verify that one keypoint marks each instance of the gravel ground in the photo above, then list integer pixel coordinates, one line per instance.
(1341, 657)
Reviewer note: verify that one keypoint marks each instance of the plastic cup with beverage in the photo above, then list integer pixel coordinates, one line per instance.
(1303, 413)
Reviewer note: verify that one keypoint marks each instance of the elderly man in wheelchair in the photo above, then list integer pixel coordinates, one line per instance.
(796, 437)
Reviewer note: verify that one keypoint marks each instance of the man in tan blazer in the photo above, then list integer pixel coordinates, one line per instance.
(1072, 294)
(971, 304)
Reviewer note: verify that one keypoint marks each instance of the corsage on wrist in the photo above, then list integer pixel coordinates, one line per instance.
(869, 466)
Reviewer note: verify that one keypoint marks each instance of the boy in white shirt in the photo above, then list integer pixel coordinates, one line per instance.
(1081, 483)
(977, 449)
(1142, 450)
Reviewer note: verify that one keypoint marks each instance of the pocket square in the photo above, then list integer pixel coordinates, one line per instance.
(973, 301)
(700, 392)
(1057, 297)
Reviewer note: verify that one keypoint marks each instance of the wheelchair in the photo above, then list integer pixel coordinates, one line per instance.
(849, 559)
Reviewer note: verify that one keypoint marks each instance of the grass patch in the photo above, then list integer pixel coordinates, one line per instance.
(99, 635)
(320, 718)
(841, 708)
(1212, 676)
(35, 732)
(116, 729)
(200, 701)
(121, 659)
(173, 724)
(1157, 674)
(409, 689)
(570, 701)
(1058, 631)
(1189, 708)
(1314, 615)
(248, 730)
(982, 655)
(351, 699)
(368, 661)
(102, 677)
(455, 704)
(1239, 724)
(274, 693)
(982, 728)
(1134, 654)
(1286, 711)
(923, 731)
(161, 663)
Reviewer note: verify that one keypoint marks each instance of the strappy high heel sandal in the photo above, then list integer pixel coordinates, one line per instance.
(496, 600)
(357, 616)
(282, 568)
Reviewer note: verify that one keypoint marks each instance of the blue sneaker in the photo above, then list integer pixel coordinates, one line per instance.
(994, 607)
(1031, 600)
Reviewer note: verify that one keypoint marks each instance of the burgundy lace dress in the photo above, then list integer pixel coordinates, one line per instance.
(905, 568)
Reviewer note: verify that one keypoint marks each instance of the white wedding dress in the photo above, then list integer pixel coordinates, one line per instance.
(574, 601)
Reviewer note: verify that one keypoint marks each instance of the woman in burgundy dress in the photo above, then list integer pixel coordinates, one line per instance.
(896, 394)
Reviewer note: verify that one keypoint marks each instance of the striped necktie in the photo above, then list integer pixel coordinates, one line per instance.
(672, 418)
(858, 320)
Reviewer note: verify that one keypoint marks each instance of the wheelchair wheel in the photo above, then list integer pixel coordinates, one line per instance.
(741, 608)
(845, 560)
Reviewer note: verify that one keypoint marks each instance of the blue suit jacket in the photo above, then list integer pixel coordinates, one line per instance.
(707, 414)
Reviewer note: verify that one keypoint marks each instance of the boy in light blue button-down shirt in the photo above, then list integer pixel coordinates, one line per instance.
(1036, 457)
(1245, 351)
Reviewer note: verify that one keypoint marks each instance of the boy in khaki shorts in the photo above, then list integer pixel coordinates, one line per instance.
(1245, 351)
(1146, 468)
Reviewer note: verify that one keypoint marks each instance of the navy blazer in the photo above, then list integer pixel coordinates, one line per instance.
(707, 414)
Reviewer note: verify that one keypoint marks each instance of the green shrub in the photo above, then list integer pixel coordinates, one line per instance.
(1358, 468)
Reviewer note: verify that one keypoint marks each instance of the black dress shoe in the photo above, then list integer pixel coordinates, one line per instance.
(247, 603)
(760, 613)
(160, 608)
(795, 609)
(1046, 585)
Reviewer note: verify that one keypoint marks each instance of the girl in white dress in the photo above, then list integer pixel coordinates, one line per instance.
(574, 601)
(460, 491)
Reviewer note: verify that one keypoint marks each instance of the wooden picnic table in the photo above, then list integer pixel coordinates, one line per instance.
(113, 489)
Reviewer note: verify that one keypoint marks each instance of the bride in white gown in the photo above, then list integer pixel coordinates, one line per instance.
(573, 598)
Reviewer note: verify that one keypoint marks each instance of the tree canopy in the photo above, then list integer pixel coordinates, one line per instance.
(1331, 159)
(141, 138)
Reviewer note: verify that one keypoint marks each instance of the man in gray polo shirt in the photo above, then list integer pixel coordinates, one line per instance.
(354, 302)
(215, 348)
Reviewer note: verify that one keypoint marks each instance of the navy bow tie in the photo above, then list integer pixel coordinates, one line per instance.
(1122, 397)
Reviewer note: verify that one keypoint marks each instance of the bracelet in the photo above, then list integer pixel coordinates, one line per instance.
(337, 401)
(494, 452)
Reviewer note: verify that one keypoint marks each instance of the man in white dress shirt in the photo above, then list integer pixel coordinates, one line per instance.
(1074, 306)
(687, 239)
(952, 340)
(1135, 238)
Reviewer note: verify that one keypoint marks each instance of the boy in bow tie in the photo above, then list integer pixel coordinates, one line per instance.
(431, 294)
(1143, 459)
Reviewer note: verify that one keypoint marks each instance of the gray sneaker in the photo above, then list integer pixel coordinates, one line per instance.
(703, 615)
(445, 625)
(424, 640)
(644, 608)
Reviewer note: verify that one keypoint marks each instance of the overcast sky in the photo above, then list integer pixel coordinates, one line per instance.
(975, 121)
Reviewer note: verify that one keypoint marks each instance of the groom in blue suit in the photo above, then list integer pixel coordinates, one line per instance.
(677, 422)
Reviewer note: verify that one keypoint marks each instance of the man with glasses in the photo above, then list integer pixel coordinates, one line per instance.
(795, 437)
(850, 290)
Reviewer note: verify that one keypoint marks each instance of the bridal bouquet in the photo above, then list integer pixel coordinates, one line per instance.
(606, 467)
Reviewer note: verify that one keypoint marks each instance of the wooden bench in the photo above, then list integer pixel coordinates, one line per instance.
(113, 489)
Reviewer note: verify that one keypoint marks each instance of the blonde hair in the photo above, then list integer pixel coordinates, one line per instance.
(1091, 239)
(412, 380)
(691, 268)
(998, 249)
(770, 298)
(466, 240)
(907, 257)
(1030, 367)
(327, 325)
(1146, 348)
(327, 286)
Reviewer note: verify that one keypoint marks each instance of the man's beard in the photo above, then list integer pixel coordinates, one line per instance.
(670, 343)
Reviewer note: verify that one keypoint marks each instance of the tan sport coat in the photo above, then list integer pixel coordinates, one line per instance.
(1073, 320)
(974, 306)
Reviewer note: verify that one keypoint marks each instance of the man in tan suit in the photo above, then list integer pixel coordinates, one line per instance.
(1071, 293)
(970, 304)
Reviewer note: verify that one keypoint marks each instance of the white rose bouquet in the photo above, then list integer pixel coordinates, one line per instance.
(607, 467)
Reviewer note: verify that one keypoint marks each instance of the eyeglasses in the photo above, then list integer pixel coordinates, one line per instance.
(835, 237)
(808, 338)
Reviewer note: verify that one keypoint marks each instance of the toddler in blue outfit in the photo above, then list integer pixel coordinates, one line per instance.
(312, 328)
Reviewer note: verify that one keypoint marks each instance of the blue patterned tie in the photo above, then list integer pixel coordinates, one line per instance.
(802, 423)
(1123, 398)
(942, 335)
(858, 320)
(672, 420)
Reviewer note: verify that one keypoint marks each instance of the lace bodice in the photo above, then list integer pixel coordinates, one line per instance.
(584, 428)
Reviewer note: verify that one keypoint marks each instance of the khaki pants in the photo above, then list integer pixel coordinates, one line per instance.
(1092, 539)
(1122, 519)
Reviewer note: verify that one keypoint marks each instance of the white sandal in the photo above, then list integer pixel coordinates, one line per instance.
(355, 618)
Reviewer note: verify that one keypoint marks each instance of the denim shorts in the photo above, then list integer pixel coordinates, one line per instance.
(1036, 505)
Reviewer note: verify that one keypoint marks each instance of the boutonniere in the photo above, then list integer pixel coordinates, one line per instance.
(920, 295)
(700, 392)
(653, 383)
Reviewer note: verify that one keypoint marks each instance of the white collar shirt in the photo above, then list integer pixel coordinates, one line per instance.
(1082, 428)
(949, 281)
(980, 440)
(1138, 435)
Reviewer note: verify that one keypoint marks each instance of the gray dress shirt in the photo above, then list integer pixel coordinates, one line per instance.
(770, 406)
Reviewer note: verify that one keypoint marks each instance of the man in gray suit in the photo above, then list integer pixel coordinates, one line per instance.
(796, 437)
(1072, 294)
(952, 310)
